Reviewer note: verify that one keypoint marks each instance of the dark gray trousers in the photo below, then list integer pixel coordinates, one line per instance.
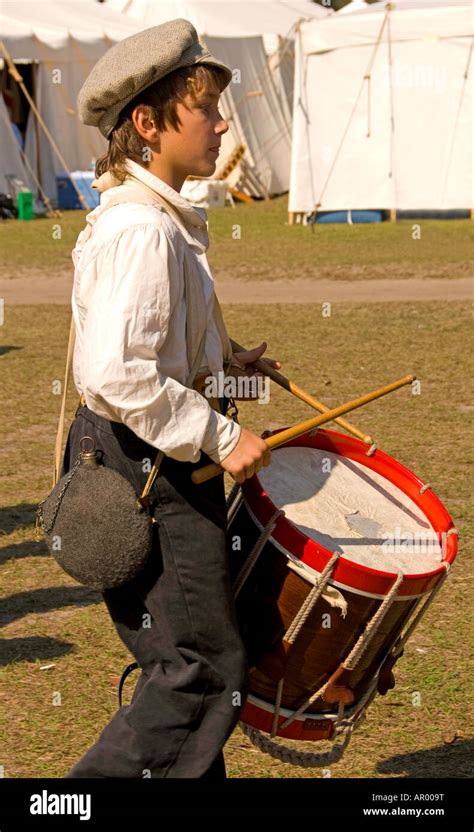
(177, 618)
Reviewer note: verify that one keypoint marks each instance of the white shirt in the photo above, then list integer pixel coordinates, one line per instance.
(130, 358)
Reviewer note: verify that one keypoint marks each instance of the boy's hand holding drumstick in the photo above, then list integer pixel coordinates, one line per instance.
(251, 452)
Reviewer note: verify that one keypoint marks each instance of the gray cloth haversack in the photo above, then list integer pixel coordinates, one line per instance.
(134, 64)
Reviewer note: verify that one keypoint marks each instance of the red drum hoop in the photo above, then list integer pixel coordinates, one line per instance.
(348, 573)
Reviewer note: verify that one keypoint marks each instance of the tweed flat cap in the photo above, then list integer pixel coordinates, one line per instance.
(134, 64)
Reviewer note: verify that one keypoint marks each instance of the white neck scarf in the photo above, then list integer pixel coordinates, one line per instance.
(196, 312)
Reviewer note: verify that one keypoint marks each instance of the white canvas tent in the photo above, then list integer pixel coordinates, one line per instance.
(383, 109)
(256, 38)
(11, 163)
(65, 38)
(367, 7)
(355, 6)
(226, 18)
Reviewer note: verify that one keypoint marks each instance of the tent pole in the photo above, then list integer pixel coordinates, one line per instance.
(34, 80)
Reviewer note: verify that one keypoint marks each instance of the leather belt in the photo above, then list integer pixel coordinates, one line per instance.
(214, 402)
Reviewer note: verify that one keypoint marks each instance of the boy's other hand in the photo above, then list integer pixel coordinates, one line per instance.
(249, 356)
(248, 457)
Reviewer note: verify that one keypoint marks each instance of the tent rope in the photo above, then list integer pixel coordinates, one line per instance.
(393, 167)
(456, 122)
(266, 70)
(300, 104)
(265, 74)
(367, 75)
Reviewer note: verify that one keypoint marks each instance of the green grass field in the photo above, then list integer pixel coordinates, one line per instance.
(61, 654)
(256, 242)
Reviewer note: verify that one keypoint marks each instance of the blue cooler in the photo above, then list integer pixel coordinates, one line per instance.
(68, 199)
(343, 216)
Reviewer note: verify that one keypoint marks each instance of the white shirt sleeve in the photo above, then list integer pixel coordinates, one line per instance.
(126, 324)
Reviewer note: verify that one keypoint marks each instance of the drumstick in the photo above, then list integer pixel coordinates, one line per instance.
(298, 391)
(209, 471)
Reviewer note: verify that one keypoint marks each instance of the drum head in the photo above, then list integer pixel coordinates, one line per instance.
(346, 507)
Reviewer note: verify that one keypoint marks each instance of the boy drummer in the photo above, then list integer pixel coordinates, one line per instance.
(155, 97)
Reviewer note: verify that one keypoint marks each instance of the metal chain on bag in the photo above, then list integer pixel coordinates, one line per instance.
(39, 511)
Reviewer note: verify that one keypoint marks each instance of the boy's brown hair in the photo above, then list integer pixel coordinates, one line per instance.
(162, 98)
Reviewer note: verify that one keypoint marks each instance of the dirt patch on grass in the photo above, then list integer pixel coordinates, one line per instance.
(36, 287)
(343, 291)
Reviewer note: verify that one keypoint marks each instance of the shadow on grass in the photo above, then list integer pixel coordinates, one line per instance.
(26, 549)
(6, 348)
(31, 648)
(448, 760)
(17, 517)
(45, 600)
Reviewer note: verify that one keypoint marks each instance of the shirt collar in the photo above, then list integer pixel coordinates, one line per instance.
(194, 219)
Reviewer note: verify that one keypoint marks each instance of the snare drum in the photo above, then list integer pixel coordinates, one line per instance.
(334, 556)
